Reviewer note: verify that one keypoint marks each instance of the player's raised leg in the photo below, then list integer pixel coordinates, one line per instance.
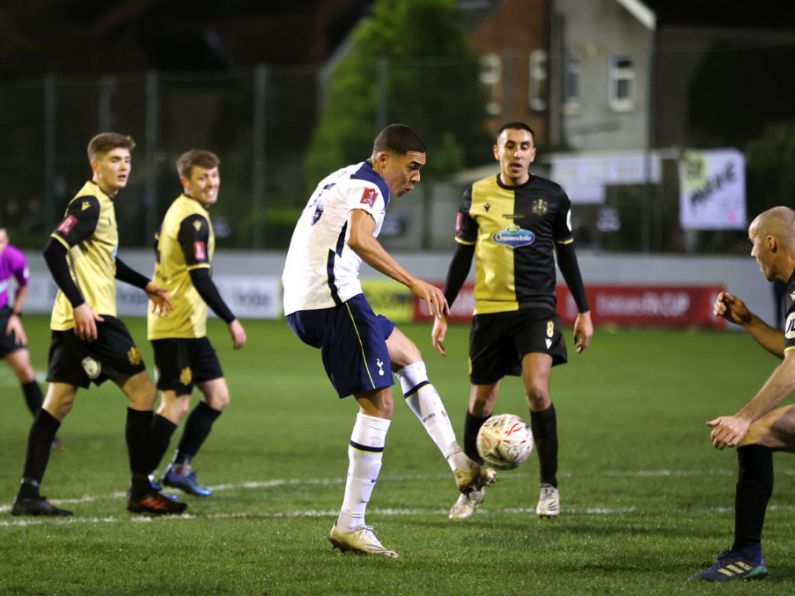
(424, 401)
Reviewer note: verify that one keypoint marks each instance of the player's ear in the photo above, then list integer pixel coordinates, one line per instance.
(382, 157)
(496, 150)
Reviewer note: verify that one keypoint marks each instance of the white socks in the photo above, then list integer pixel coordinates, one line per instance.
(365, 451)
(427, 406)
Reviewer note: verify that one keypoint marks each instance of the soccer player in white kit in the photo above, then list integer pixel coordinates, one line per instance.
(325, 308)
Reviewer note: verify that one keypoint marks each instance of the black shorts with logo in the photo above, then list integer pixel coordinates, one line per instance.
(8, 342)
(113, 355)
(184, 362)
(499, 341)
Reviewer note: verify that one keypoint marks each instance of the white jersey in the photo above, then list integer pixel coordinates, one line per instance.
(321, 271)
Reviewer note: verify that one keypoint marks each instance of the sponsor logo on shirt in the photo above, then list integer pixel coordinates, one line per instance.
(459, 222)
(67, 224)
(514, 237)
(369, 196)
(199, 251)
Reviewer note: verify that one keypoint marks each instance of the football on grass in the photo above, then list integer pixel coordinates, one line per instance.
(504, 441)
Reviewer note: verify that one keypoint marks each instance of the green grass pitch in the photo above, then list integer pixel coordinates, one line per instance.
(646, 500)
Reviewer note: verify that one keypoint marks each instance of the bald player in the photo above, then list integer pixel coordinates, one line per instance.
(759, 427)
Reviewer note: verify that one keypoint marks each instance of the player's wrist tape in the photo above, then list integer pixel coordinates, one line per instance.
(17, 314)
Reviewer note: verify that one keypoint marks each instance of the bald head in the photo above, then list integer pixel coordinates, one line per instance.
(778, 222)
(772, 235)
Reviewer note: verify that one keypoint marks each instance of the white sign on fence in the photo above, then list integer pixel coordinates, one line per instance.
(712, 190)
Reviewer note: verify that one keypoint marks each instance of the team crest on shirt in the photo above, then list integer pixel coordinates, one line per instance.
(185, 375)
(514, 236)
(539, 207)
(369, 196)
(134, 356)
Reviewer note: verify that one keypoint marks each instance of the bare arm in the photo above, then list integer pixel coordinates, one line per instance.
(14, 326)
(729, 430)
(361, 226)
(19, 298)
(733, 309)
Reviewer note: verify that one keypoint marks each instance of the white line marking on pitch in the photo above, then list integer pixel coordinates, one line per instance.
(309, 513)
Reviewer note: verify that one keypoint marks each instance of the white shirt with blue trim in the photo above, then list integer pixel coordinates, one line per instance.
(321, 271)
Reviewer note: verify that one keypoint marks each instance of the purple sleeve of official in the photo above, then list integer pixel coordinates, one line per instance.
(19, 265)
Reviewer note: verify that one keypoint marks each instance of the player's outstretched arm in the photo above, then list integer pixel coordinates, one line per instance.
(361, 226)
(734, 310)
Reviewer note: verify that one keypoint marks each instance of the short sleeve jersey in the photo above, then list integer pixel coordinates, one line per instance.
(89, 233)
(514, 231)
(12, 264)
(185, 242)
(321, 271)
(789, 323)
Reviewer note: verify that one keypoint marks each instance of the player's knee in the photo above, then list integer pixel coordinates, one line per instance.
(217, 402)
(60, 409)
(538, 396)
(378, 404)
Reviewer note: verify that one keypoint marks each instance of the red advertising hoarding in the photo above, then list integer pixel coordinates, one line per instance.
(657, 306)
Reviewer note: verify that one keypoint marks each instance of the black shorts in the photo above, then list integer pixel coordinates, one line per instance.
(113, 355)
(499, 341)
(183, 362)
(8, 343)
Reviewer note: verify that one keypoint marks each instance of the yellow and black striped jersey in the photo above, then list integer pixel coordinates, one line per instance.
(89, 233)
(514, 230)
(185, 242)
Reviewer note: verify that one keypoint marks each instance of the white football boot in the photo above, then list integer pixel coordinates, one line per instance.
(472, 484)
(548, 501)
(361, 541)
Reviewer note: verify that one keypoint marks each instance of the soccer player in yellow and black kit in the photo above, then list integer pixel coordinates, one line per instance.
(183, 354)
(89, 344)
(513, 224)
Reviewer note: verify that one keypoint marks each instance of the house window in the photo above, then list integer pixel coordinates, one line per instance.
(571, 82)
(491, 78)
(622, 83)
(538, 80)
